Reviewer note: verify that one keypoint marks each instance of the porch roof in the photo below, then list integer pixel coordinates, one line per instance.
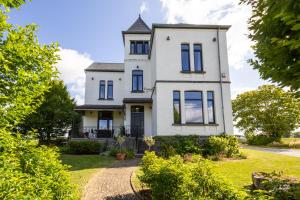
(137, 100)
(96, 107)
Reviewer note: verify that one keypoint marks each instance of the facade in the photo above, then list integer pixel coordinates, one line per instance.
(174, 81)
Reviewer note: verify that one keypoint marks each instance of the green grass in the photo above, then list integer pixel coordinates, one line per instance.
(239, 171)
(84, 166)
(290, 143)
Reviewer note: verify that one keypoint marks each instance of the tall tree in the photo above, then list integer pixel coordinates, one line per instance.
(275, 29)
(54, 115)
(269, 110)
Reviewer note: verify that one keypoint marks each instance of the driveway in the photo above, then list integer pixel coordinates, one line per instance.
(287, 152)
(112, 183)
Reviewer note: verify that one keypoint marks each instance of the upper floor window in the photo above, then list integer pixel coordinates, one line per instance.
(109, 89)
(198, 63)
(137, 81)
(211, 107)
(193, 107)
(102, 90)
(139, 47)
(185, 57)
(176, 107)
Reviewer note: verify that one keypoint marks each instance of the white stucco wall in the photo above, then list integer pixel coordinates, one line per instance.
(92, 82)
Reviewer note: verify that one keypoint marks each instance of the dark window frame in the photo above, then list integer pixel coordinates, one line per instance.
(144, 51)
(110, 84)
(106, 118)
(189, 60)
(201, 57)
(201, 100)
(213, 106)
(179, 102)
(102, 87)
(138, 82)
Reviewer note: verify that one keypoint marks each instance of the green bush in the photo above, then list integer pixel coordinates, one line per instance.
(258, 139)
(175, 179)
(172, 145)
(84, 147)
(222, 146)
(129, 152)
(28, 171)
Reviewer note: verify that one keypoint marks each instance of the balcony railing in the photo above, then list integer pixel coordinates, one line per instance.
(92, 132)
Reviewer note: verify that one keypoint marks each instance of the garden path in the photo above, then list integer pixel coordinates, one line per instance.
(112, 183)
(287, 152)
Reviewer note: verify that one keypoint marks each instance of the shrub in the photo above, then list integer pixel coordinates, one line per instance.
(175, 179)
(129, 152)
(220, 146)
(84, 147)
(258, 139)
(28, 171)
(172, 145)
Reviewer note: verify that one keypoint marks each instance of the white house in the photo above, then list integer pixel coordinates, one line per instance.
(174, 81)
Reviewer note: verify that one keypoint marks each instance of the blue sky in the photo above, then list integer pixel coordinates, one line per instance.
(90, 31)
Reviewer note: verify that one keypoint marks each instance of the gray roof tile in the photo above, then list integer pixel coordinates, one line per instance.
(106, 67)
(139, 26)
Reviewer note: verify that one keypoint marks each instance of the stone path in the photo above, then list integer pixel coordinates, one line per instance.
(112, 183)
(287, 152)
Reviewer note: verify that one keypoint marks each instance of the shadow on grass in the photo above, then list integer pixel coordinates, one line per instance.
(122, 197)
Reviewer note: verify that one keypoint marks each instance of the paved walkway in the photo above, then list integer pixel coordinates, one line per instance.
(112, 183)
(287, 152)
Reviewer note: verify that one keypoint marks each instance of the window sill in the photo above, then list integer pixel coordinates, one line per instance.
(137, 91)
(139, 54)
(195, 124)
(193, 72)
(105, 99)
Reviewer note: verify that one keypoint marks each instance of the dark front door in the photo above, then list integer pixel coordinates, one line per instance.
(137, 121)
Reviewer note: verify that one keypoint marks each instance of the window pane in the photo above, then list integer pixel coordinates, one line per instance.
(134, 83)
(198, 61)
(193, 107)
(176, 107)
(139, 47)
(210, 107)
(146, 47)
(140, 83)
(110, 89)
(132, 47)
(185, 57)
(210, 95)
(102, 90)
(102, 124)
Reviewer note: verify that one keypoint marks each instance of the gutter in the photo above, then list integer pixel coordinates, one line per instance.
(220, 76)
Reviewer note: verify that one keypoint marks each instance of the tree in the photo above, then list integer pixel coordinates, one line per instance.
(275, 29)
(27, 171)
(55, 115)
(269, 111)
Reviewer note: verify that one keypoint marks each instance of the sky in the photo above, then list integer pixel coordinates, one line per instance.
(90, 31)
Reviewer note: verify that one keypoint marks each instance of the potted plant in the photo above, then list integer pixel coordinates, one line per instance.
(149, 141)
(121, 155)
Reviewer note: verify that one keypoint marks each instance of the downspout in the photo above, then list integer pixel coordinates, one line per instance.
(220, 76)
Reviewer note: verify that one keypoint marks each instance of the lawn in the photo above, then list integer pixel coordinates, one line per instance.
(239, 171)
(84, 166)
(291, 143)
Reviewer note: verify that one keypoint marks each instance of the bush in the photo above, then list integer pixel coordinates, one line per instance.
(172, 145)
(175, 179)
(84, 147)
(222, 146)
(129, 152)
(258, 139)
(28, 171)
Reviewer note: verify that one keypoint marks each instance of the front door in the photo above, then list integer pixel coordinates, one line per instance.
(137, 121)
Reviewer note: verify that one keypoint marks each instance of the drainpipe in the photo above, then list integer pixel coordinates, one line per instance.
(220, 76)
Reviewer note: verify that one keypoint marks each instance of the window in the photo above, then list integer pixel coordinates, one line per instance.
(102, 90)
(105, 120)
(137, 81)
(198, 57)
(176, 107)
(193, 107)
(185, 57)
(139, 47)
(211, 107)
(109, 89)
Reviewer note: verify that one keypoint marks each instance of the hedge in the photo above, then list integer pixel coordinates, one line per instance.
(84, 147)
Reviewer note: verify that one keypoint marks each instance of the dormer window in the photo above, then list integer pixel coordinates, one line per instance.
(139, 47)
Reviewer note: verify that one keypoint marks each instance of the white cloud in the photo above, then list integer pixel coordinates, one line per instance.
(71, 68)
(239, 90)
(215, 12)
(143, 7)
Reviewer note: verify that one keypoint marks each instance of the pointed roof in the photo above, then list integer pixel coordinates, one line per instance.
(139, 26)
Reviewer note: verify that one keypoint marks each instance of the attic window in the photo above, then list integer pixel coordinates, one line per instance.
(139, 47)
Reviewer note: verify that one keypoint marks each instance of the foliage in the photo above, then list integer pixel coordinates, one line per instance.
(149, 141)
(54, 116)
(175, 179)
(253, 139)
(222, 146)
(172, 145)
(278, 186)
(120, 140)
(84, 147)
(31, 172)
(129, 152)
(275, 29)
(269, 111)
